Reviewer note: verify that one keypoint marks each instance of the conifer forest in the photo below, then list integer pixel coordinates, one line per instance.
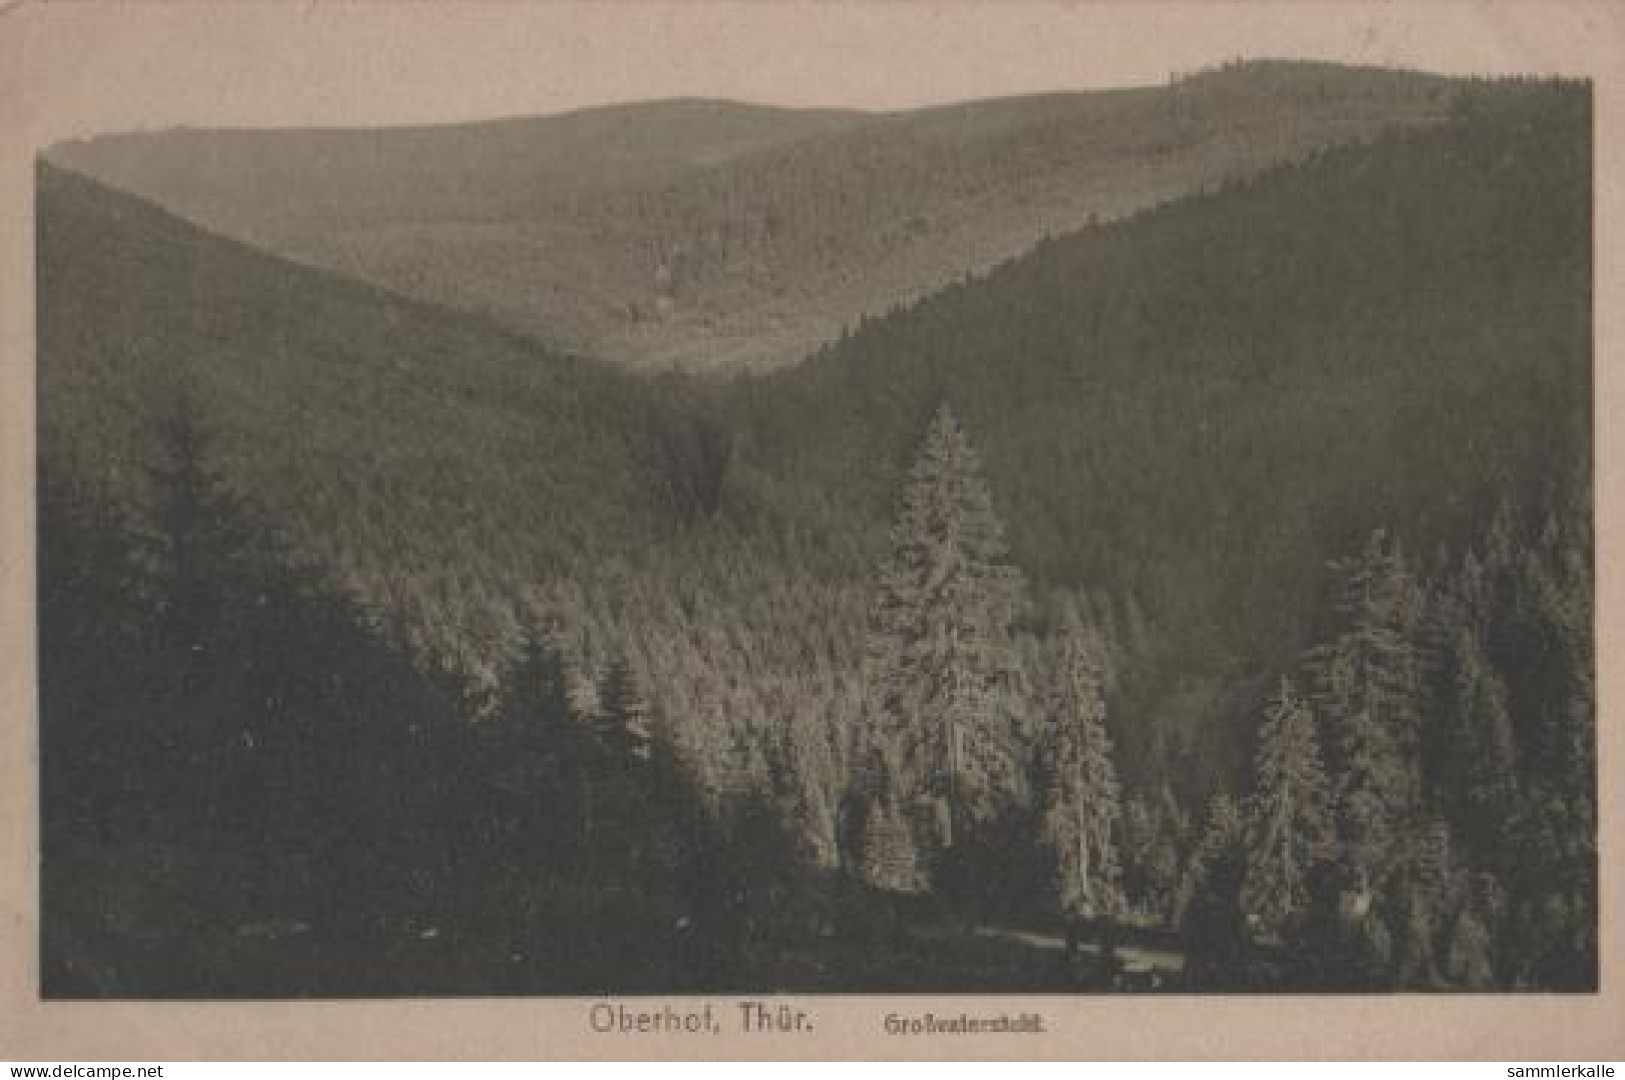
(1129, 541)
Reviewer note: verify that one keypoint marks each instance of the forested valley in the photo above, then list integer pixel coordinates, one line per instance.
(716, 235)
(1211, 584)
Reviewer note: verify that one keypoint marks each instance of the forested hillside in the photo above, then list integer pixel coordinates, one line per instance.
(1184, 414)
(1197, 407)
(1024, 597)
(381, 434)
(275, 185)
(706, 234)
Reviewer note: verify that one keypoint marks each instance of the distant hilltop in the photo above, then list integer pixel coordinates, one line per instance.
(713, 235)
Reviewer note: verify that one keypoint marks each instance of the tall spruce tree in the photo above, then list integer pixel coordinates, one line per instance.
(944, 679)
(1082, 803)
(1290, 829)
(1367, 680)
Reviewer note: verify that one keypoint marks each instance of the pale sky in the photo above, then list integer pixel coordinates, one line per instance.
(99, 66)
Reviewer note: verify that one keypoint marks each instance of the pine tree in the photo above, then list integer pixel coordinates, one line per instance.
(1469, 952)
(1481, 776)
(1156, 833)
(1210, 914)
(221, 588)
(889, 857)
(1082, 801)
(1422, 901)
(535, 692)
(1551, 690)
(623, 725)
(1290, 827)
(535, 789)
(93, 614)
(1367, 682)
(944, 681)
(201, 536)
(1460, 601)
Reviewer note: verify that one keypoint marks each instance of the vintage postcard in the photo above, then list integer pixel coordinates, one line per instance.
(810, 530)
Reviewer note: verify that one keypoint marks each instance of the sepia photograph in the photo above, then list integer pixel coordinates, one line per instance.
(1106, 522)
